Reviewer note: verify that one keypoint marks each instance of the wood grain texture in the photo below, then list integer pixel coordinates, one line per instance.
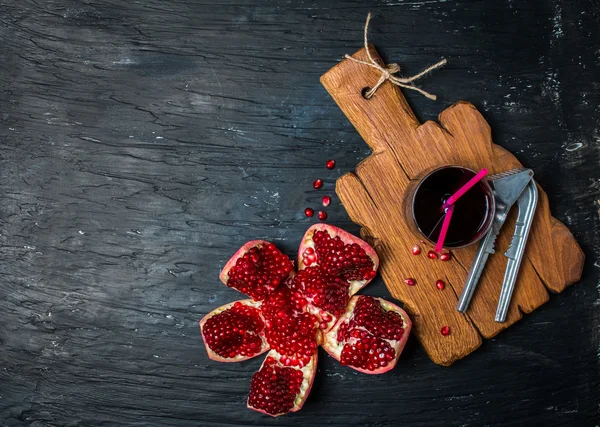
(403, 151)
(142, 142)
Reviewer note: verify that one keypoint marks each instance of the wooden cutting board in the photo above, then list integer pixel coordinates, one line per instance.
(373, 195)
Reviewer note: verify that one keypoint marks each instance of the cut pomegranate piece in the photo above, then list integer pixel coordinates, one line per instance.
(370, 336)
(234, 332)
(339, 254)
(256, 269)
(290, 312)
(333, 265)
(277, 389)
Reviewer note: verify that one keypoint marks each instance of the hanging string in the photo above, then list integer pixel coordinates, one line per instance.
(388, 71)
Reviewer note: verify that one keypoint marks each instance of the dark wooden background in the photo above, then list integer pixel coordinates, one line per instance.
(142, 142)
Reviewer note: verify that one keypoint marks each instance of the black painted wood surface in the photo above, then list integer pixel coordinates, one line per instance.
(142, 142)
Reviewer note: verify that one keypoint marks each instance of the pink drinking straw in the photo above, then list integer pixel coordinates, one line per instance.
(444, 230)
(453, 198)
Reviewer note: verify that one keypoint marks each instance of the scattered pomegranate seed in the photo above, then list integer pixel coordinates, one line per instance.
(309, 212)
(416, 250)
(445, 330)
(432, 255)
(326, 200)
(322, 215)
(445, 256)
(440, 284)
(410, 281)
(330, 164)
(318, 184)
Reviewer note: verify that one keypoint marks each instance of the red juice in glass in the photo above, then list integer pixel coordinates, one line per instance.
(473, 212)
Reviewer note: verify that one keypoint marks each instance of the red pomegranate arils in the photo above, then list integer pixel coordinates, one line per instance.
(340, 254)
(440, 284)
(432, 255)
(410, 281)
(309, 212)
(326, 200)
(445, 330)
(416, 250)
(293, 336)
(318, 184)
(292, 314)
(330, 164)
(234, 332)
(370, 336)
(322, 215)
(278, 388)
(256, 269)
(328, 293)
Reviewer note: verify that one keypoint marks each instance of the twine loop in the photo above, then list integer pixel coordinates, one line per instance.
(388, 71)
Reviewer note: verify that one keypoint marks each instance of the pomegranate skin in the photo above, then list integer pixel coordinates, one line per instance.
(240, 253)
(308, 244)
(334, 348)
(238, 358)
(309, 371)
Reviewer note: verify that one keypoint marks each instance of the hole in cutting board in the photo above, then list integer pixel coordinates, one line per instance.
(364, 91)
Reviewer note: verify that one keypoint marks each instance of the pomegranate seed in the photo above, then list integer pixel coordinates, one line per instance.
(410, 281)
(445, 330)
(445, 256)
(432, 255)
(440, 284)
(330, 164)
(309, 212)
(318, 184)
(322, 215)
(416, 250)
(326, 200)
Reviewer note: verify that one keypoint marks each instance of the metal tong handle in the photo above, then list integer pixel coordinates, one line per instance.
(476, 270)
(527, 203)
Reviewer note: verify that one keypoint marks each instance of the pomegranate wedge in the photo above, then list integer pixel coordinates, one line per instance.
(338, 254)
(234, 332)
(277, 389)
(256, 269)
(370, 336)
(333, 265)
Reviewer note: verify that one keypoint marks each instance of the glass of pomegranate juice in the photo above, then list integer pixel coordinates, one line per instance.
(473, 211)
